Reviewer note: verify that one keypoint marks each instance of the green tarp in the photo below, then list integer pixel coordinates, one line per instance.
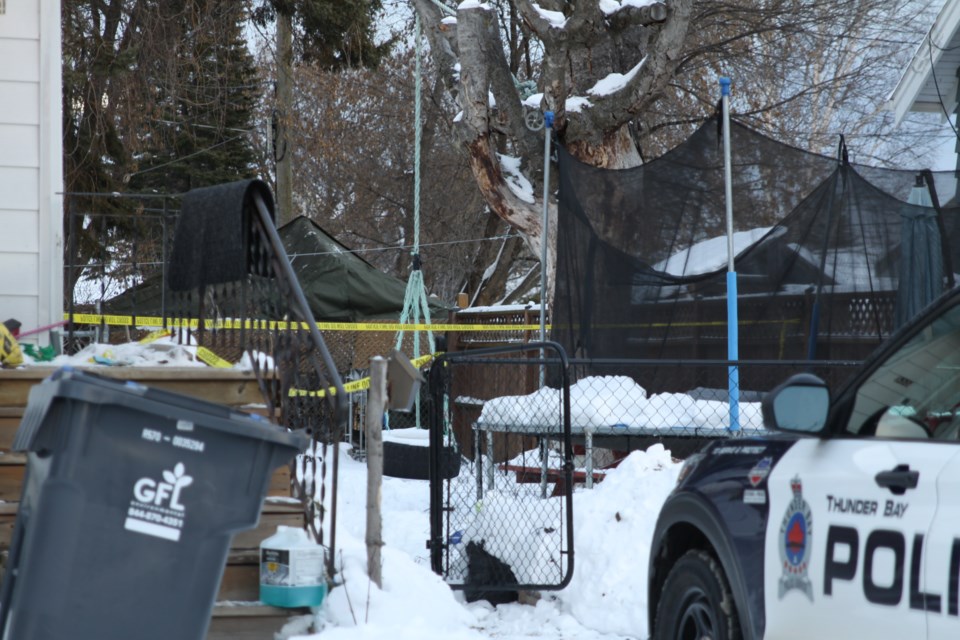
(339, 285)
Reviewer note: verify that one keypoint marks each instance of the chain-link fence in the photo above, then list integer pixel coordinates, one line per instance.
(618, 405)
(529, 427)
(504, 523)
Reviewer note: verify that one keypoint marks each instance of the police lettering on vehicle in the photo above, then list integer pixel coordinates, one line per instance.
(846, 558)
(795, 543)
(856, 506)
(738, 450)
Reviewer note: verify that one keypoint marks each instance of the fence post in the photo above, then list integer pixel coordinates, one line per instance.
(376, 402)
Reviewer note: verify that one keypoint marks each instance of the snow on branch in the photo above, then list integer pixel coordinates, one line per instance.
(515, 179)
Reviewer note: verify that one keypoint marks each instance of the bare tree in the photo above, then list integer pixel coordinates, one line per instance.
(627, 82)
(354, 153)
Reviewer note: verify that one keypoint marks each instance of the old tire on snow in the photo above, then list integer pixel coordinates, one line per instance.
(696, 602)
(412, 461)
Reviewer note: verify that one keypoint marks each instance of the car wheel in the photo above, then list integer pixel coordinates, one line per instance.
(696, 603)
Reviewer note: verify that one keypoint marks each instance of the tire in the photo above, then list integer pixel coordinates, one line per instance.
(696, 603)
(413, 461)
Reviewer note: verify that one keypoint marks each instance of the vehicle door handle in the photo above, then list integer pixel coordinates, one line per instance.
(898, 479)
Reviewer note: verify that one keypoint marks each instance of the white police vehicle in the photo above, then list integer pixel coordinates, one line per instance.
(844, 523)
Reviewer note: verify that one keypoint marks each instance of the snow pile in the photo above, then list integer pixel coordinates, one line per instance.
(617, 402)
(606, 599)
(612, 6)
(515, 179)
(555, 18)
(161, 352)
(709, 255)
(615, 81)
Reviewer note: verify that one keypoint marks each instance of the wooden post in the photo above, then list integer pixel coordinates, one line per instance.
(376, 402)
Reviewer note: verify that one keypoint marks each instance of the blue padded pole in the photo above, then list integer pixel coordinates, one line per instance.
(733, 348)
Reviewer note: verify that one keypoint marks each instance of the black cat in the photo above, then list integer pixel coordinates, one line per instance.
(486, 570)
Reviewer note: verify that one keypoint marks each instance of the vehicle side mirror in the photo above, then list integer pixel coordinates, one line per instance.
(799, 405)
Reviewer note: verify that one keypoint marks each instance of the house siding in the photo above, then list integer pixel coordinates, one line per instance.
(31, 180)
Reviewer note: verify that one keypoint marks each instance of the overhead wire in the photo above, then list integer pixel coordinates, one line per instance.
(181, 158)
(311, 254)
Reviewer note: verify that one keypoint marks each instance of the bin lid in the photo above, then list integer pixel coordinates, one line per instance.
(84, 386)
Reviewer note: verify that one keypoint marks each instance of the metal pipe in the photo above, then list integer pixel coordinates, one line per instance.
(544, 239)
(733, 373)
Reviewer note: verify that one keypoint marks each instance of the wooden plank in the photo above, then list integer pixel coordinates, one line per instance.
(249, 622)
(241, 577)
(12, 468)
(223, 386)
(271, 516)
(280, 482)
(8, 518)
(9, 423)
(534, 474)
(240, 583)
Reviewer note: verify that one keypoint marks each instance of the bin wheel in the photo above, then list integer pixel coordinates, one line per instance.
(413, 461)
(696, 602)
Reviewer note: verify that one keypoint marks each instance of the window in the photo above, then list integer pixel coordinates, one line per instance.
(916, 392)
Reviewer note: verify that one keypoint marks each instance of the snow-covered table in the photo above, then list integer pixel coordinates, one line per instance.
(608, 409)
(592, 435)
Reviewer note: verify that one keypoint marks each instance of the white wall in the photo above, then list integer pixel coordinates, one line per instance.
(31, 166)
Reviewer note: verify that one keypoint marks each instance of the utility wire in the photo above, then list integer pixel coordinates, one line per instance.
(292, 256)
(127, 176)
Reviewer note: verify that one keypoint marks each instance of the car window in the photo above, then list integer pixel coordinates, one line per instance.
(915, 393)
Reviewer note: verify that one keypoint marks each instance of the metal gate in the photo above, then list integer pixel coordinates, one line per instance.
(501, 470)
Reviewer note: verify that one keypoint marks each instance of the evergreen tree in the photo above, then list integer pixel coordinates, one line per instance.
(158, 97)
(204, 104)
(333, 34)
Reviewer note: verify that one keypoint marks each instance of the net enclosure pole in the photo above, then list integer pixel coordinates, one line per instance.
(547, 126)
(544, 222)
(733, 348)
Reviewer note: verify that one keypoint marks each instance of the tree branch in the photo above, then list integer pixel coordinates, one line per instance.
(611, 111)
(442, 36)
(550, 34)
(509, 115)
(633, 16)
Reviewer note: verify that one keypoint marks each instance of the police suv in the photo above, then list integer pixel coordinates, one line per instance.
(844, 522)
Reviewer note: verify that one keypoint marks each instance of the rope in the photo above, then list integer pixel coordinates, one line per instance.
(415, 298)
(418, 133)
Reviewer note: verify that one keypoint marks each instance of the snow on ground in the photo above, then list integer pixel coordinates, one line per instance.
(606, 600)
(616, 402)
(613, 527)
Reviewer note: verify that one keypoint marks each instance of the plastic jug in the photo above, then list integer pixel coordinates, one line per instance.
(292, 569)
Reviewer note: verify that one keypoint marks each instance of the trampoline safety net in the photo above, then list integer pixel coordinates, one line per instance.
(831, 256)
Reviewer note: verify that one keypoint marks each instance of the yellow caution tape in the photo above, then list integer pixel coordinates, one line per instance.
(156, 335)
(212, 359)
(355, 385)
(272, 325)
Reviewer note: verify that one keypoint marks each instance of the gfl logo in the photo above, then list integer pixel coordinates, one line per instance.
(152, 492)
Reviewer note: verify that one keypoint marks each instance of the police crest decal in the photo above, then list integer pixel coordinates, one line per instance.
(795, 543)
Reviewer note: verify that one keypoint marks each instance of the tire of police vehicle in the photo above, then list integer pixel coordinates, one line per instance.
(696, 601)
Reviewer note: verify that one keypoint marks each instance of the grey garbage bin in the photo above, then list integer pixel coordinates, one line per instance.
(131, 497)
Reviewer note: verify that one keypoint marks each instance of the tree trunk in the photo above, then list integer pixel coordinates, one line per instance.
(282, 153)
(577, 54)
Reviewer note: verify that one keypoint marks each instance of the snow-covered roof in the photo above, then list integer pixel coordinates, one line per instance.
(932, 87)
